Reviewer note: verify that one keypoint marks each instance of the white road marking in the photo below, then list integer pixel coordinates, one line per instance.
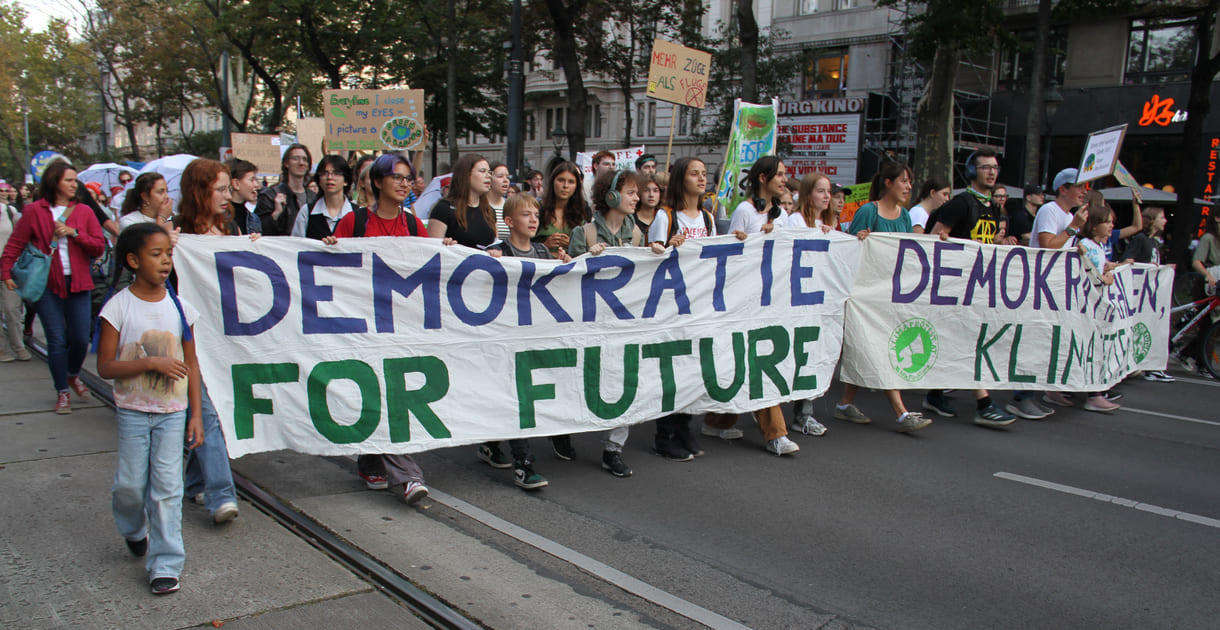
(1197, 381)
(599, 569)
(1106, 498)
(1172, 416)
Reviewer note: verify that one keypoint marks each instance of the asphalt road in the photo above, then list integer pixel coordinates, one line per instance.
(1075, 521)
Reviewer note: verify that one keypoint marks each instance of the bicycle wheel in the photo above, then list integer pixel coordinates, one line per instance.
(1209, 350)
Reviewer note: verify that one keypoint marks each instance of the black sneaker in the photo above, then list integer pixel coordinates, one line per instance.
(491, 454)
(562, 444)
(687, 439)
(164, 586)
(137, 547)
(613, 462)
(1112, 395)
(524, 475)
(670, 448)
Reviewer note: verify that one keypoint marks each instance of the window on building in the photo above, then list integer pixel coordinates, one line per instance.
(550, 123)
(841, 5)
(1016, 62)
(531, 121)
(593, 121)
(683, 120)
(824, 74)
(807, 7)
(1160, 50)
(646, 118)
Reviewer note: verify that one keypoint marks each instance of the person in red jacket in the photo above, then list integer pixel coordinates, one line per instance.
(57, 225)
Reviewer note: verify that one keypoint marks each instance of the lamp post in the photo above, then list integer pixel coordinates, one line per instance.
(1051, 101)
(25, 119)
(559, 137)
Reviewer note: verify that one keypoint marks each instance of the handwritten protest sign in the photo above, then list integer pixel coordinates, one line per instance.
(374, 120)
(1101, 153)
(679, 74)
(261, 149)
(624, 160)
(310, 132)
(752, 136)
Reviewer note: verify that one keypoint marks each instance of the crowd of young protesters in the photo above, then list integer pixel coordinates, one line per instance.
(167, 422)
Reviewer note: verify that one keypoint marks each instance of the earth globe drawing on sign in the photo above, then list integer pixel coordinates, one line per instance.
(400, 133)
(758, 122)
(1090, 162)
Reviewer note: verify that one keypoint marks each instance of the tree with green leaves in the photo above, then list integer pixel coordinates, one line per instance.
(42, 73)
(936, 37)
(772, 76)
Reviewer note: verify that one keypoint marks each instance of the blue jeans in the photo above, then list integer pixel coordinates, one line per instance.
(66, 326)
(147, 494)
(207, 467)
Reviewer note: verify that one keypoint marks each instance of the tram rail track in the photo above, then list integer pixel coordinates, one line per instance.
(386, 579)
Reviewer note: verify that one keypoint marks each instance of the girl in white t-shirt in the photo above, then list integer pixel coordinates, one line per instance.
(148, 201)
(813, 208)
(681, 217)
(147, 346)
(1096, 231)
(765, 182)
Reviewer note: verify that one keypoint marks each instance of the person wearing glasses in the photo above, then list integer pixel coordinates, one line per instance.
(279, 205)
(333, 178)
(973, 215)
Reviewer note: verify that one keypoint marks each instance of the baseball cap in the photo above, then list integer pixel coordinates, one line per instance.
(836, 189)
(95, 187)
(1065, 177)
(1034, 189)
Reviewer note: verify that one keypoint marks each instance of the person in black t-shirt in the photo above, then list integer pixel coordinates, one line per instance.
(474, 224)
(970, 215)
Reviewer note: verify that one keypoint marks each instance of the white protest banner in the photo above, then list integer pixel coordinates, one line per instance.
(1101, 153)
(932, 314)
(624, 160)
(394, 345)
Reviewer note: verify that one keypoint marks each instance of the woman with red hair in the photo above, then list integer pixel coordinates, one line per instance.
(205, 210)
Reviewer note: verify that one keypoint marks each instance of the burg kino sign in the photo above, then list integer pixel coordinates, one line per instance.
(824, 136)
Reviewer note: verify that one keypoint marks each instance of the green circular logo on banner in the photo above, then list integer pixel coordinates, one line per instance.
(400, 133)
(1141, 341)
(913, 348)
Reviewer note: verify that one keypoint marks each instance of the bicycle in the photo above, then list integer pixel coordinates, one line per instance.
(1193, 317)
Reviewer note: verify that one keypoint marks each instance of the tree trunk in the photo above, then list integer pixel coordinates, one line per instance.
(627, 92)
(1187, 215)
(934, 119)
(451, 86)
(747, 29)
(565, 51)
(1034, 117)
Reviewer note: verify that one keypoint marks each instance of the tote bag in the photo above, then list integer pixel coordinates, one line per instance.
(30, 272)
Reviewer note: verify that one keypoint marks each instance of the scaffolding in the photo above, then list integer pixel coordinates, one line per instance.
(890, 125)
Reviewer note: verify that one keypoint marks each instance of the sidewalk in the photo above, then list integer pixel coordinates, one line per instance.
(63, 564)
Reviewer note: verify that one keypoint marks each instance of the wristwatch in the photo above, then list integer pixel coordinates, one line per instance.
(1071, 231)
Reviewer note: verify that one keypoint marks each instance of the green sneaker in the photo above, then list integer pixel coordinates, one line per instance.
(524, 475)
(851, 414)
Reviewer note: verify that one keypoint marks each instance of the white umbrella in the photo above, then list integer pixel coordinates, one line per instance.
(106, 174)
(170, 167)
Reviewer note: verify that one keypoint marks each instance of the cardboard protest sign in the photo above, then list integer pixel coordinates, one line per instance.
(374, 120)
(679, 74)
(1101, 153)
(857, 196)
(932, 314)
(310, 132)
(381, 345)
(261, 149)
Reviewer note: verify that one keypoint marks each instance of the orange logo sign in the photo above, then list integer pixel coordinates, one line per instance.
(1158, 111)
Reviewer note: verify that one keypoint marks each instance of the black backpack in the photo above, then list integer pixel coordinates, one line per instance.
(361, 221)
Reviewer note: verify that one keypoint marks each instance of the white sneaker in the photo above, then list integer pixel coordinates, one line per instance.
(912, 421)
(225, 513)
(782, 446)
(731, 433)
(808, 425)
